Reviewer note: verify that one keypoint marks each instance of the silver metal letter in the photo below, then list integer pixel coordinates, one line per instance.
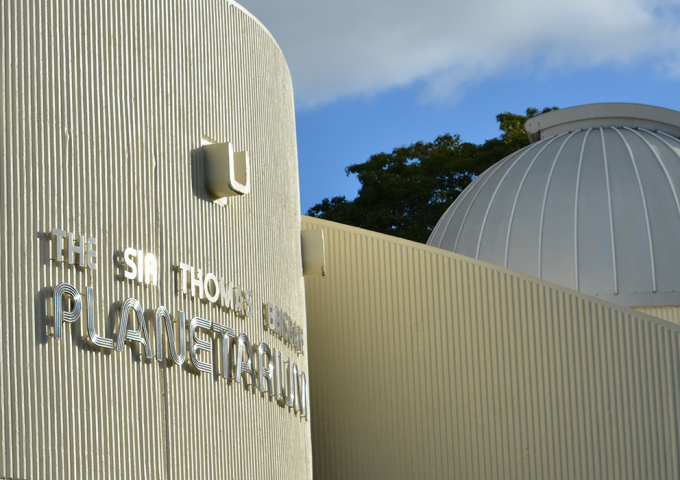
(227, 334)
(271, 316)
(128, 255)
(163, 316)
(150, 269)
(72, 250)
(91, 253)
(286, 326)
(248, 298)
(59, 313)
(277, 322)
(140, 266)
(265, 373)
(95, 339)
(302, 394)
(196, 344)
(227, 294)
(58, 243)
(185, 269)
(289, 393)
(197, 282)
(238, 306)
(133, 335)
(284, 394)
(241, 366)
(211, 278)
(278, 372)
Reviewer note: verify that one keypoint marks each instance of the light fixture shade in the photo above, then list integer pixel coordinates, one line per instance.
(226, 173)
(313, 253)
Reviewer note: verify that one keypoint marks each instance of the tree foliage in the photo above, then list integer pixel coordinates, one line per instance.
(405, 192)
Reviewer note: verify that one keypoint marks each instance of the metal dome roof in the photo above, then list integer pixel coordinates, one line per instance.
(591, 205)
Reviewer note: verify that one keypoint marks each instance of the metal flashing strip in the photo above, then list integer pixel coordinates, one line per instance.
(667, 135)
(578, 184)
(611, 217)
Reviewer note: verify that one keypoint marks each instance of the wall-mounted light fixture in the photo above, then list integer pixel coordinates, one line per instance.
(313, 253)
(227, 173)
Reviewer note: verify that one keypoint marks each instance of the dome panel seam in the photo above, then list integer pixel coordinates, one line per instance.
(576, 198)
(493, 197)
(545, 200)
(481, 187)
(644, 206)
(458, 202)
(547, 141)
(611, 216)
(658, 159)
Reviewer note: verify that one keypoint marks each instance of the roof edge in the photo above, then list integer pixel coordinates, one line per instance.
(634, 115)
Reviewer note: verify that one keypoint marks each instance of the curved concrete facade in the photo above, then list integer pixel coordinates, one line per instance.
(104, 108)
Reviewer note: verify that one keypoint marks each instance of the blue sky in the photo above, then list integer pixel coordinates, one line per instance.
(373, 75)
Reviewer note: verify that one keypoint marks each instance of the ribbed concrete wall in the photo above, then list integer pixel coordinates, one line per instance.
(428, 364)
(102, 109)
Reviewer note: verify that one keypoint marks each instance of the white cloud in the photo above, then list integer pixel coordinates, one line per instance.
(350, 47)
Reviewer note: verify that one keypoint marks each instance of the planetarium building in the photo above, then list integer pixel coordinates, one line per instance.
(167, 313)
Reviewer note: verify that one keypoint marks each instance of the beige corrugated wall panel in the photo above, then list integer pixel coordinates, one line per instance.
(428, 364)
(671, 314)
(102, 109)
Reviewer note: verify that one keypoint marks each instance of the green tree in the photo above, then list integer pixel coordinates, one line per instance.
(405, 192)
